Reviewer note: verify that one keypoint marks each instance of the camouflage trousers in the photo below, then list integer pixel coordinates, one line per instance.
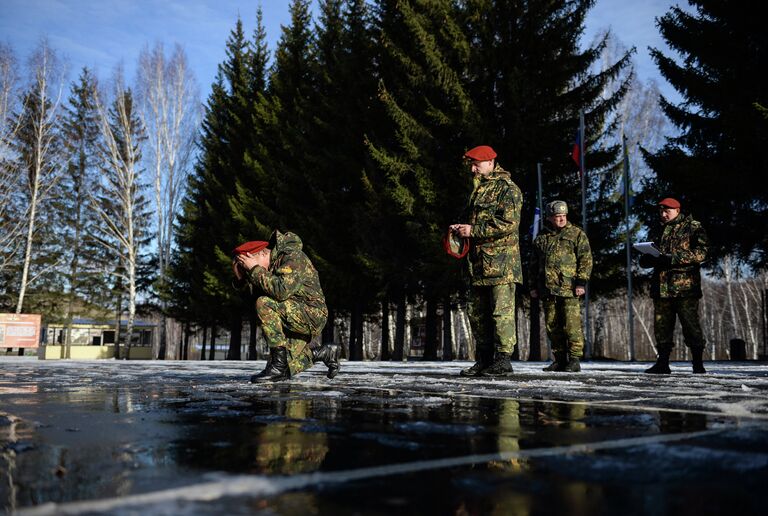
(285, 324)
(687, 310)
(492, 319)
(562, 317)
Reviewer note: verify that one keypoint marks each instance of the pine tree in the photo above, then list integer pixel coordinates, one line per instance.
(420, 185)
(530, 80)
(83, 283)
(345, 87)
(253, 207)
(718, 158)
(291, 92)
(209, 227)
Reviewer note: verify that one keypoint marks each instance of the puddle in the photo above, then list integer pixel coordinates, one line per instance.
(350, 449)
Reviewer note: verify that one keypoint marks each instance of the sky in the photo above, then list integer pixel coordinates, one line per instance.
(101, 34)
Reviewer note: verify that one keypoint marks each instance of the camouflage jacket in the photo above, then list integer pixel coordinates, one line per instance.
(560, 261)
(494, 213)
(291, 276)
(684, 240)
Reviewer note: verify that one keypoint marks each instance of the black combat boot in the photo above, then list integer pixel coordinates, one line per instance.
(573, 365)
(474, 370)
(278, 367)
(662, 364)
(558, 364)
(697, 357)
(482, 360)
(264, 372)
(329, 355)
(500, 366)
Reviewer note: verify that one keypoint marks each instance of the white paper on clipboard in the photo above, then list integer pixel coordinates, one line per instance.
(647, 248)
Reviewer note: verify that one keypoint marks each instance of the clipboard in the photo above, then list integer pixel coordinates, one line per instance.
(647, 248)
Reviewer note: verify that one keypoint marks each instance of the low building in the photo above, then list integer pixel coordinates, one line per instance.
(93, 339)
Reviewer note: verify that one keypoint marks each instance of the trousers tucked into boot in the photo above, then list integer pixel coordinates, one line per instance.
(329, 355)
(561, 359)
(573, 365)
(277, 368)
(697, 358)
(662, 364)
(500, 366)
(482, 360)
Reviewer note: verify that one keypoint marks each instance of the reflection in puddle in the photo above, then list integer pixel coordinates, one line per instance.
(88, 443)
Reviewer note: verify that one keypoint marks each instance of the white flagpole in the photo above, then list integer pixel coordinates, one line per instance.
(627, 190)
(583, 174)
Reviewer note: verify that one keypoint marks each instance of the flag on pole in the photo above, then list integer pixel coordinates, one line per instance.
(536, 223)
(576, 152)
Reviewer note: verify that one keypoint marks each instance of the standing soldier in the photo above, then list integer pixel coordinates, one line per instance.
(676, 283)
(291, 305)
(494, 262)
(561, 263)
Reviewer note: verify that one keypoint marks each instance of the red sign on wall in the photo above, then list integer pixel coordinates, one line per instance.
(19, 330)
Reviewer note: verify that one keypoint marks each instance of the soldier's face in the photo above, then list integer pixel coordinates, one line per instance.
(558, 221)
(666, 214)
(482, 168)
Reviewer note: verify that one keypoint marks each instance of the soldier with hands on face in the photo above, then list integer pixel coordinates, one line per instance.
(560, 267)
(290, 304)
(676, 283)
(492, 227)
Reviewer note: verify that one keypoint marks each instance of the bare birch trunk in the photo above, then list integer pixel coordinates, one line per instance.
(45, 169)
(27, 248)
(11, 222)
(169, 114)
(120, 210)
(728, 276)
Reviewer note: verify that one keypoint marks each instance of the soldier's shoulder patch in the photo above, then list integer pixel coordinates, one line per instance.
(285, 269)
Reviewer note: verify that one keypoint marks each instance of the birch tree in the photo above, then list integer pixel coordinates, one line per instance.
(119, 199)
(38, 145)
(169, 111)
(11, 222)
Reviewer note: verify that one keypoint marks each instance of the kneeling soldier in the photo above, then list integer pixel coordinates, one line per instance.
(291, 305)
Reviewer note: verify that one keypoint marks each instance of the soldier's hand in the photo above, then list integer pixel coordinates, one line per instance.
(534, 293)
(579, 291)
(247, 260)
(463, 230)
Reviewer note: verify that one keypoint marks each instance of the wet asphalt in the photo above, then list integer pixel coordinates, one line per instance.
(114, 437)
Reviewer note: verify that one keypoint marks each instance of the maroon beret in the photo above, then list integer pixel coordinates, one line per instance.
(250, 247)
(481, 153)
(669, 202)
(455, 246)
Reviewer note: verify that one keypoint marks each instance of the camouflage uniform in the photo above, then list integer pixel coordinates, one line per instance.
(494, 261)
(560, 262)
(676, 282)
(292, 308)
